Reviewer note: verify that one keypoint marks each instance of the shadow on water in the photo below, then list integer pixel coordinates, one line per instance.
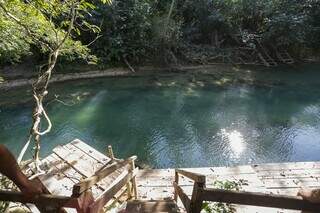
(183, 121)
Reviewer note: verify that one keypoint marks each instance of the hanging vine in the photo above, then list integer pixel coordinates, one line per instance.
(53, 39)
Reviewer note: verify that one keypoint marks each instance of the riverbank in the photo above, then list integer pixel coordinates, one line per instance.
(222, 73)
(19, 81)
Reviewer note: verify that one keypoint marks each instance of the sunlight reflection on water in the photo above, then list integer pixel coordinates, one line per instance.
(180, 125)
(235, 140)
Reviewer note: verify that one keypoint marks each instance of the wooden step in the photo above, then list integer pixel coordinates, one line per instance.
(146, 206)
(285, 57)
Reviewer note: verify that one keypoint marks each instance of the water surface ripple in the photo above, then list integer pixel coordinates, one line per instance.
(178, 122)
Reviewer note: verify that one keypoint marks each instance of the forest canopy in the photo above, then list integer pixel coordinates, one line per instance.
(167, 31)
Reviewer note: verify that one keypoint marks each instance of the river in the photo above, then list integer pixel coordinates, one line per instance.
(181, 121)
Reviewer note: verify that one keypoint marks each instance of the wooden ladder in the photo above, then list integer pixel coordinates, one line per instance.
(266, 59)
(284, 57)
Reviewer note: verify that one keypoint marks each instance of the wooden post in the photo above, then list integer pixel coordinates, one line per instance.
(134, 183)
(129, 190)
(110, 152)
(176, 180)
(196, 200)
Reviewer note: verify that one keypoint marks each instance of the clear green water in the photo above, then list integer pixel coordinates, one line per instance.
(178, 121)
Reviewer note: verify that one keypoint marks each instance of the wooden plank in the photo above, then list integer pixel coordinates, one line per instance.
(291, 183)
(98, 176)
(81, 162)
(258, 199)
(90, 151)
(223, 170)
(110, 192)
(163, 182)
(93, 154)
(258, 209)
(67, 171)
(286, 166)
(145, 173)
(151, 206)
(61, 178)
(285, 173)
(156, 193)
(41, 200)
(281, 176)
(287, 191)
(56, 183)
(183, 197)
(194, 176)
(85, 162)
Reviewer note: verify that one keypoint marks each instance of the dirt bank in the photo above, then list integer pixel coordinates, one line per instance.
(142, 71)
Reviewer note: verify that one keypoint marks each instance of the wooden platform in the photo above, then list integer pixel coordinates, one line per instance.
(74, 161)
(279, 178)
(70, 163)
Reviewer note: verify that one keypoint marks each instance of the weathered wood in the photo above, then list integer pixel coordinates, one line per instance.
(286, 166)
(183, 197)
(62, 185)
(117, 198)
(138, 206)
(129, 190)
(291, 183)
(83, 185)
(196, 201)
(283, 178)
(110, 152)
(176, 180)
(257, 199)
(81, 162)
(121, 181)
(84, 164)
(134, 182)
(89, 151)
(42, 200)
(192, 175)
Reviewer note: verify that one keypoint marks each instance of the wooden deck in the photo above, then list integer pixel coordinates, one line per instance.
(278, 178)
(74, 161)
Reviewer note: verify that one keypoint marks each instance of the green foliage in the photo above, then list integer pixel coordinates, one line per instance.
(210, 207)
(125, 26)
(43, 25)
(13, 45)
(145, 30)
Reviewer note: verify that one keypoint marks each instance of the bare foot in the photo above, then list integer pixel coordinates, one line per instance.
(310, 195)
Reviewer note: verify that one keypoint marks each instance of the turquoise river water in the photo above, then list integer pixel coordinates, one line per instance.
(181, 121)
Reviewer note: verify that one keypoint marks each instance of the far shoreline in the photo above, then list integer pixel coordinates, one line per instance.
(219, 71)
(113, 72)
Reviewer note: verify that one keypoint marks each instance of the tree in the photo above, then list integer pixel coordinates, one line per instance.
(125, 26)
(51, 26)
